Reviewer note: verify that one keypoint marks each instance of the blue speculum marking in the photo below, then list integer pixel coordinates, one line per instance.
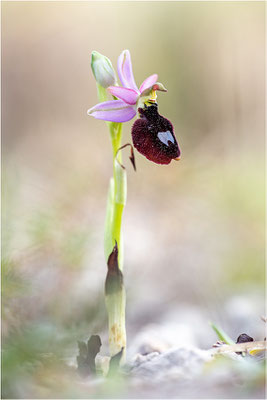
(165, 137)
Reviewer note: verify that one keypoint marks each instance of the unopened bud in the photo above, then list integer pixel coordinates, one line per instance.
(103, 70)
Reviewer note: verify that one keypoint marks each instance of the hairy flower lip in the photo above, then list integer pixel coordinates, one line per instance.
(153, 136)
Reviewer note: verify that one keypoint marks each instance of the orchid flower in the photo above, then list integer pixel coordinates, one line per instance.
(153, 135)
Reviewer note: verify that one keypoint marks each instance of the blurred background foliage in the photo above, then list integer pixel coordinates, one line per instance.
(193, 231)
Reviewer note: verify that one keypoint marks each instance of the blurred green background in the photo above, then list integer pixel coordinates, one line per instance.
(193, 230)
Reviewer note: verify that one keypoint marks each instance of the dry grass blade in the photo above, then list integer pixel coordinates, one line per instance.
(249, 347)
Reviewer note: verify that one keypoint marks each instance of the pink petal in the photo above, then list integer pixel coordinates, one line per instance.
(148, 82)
(127, 95)
(125, 70)
(114, 111)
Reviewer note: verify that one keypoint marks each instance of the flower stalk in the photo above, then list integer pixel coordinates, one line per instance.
(114, 288)
(115, 298)
(116, 197)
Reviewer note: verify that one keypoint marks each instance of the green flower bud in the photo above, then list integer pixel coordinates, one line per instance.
(103, 70)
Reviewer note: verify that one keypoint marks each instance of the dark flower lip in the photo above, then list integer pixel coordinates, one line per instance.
(153, 136)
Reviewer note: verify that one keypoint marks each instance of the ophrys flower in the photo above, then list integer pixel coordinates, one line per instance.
(153, 135)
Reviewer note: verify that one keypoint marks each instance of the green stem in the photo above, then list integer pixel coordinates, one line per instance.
(115, 302)
(120, 191)
(116, 201)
